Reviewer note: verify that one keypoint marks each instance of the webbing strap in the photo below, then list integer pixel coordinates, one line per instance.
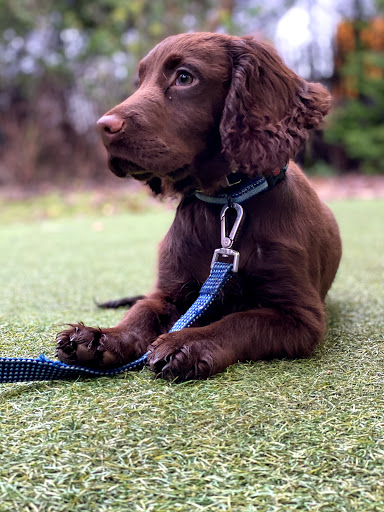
(19, 369)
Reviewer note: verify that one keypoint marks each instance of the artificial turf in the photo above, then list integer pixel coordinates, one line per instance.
(266, 436)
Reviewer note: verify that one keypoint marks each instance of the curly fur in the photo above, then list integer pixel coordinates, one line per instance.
(268, 110)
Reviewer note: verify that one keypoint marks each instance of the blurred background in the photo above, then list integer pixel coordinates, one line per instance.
(64, 63)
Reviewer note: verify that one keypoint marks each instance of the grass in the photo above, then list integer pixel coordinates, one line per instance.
(267, 436)
(55, 203)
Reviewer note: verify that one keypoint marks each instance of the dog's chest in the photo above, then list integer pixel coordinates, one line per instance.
(194, 236)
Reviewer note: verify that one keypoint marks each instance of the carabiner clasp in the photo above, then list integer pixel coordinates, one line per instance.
(227, 239)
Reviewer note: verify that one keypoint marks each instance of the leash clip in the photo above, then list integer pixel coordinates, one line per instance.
(227, 239)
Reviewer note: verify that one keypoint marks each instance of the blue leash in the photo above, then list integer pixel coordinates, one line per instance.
(18, 369)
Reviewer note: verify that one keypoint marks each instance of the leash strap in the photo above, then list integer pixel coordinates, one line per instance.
(18, 369)
(219, 275)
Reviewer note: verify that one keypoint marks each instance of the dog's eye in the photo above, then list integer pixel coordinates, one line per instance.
(184, 78)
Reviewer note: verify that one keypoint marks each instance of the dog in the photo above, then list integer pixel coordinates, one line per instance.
(210, 107)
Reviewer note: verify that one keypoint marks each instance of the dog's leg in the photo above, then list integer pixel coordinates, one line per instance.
(197, 353)
(115, 346)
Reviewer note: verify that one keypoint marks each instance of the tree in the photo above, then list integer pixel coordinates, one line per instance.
(358, 122)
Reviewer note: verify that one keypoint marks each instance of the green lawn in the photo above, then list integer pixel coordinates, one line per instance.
(267, 436)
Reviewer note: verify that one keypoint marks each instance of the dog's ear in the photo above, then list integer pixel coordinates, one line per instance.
(268, 109)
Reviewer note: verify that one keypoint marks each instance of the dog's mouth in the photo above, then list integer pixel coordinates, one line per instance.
(174, 181)
(126, 168)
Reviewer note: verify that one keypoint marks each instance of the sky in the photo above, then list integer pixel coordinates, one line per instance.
(304, 34)
(304, 30)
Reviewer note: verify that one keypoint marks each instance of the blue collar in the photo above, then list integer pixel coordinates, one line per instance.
(245, 189)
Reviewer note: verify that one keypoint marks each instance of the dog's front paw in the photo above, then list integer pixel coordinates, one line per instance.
(87, 346)
(184, 355)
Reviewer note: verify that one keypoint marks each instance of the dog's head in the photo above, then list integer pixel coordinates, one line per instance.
(207, 105)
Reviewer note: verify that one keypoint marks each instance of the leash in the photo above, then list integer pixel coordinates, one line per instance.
(18, 369)
(225, 263)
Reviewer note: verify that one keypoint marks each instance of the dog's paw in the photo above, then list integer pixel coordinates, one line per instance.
(180, 356)
(87, 346)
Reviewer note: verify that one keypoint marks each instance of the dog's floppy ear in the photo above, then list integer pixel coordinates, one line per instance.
(268, 109)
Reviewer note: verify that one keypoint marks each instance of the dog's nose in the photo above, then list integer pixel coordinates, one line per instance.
(110, 125)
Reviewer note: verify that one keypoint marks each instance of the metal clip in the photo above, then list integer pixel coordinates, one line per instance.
(227, 253)
(228, 239)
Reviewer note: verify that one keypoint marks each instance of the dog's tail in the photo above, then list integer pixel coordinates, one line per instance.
(119, 303)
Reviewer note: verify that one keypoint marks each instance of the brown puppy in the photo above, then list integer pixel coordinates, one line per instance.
(208, 105)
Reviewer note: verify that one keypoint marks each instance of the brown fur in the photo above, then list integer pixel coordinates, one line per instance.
(245, 111)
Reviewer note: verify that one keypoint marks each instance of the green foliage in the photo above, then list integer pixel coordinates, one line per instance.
(321, 169)
(79, 33)
(358, 123)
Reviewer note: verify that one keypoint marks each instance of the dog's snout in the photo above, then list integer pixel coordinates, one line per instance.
(110, 125)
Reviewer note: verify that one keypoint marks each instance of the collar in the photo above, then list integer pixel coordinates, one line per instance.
(244, 188)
